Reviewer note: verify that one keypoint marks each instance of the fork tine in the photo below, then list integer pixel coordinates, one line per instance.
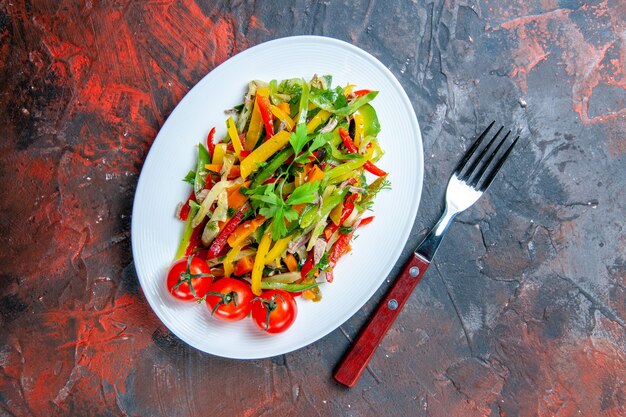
(477, 176)
(471, 170)
(471, 150)
(490, 177)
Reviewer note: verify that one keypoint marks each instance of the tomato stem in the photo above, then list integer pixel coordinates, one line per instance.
(225, 299)
(187, 276)
(270, 305)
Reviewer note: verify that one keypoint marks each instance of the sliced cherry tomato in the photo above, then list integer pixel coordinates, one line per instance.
(229, 299)
(191, 269)
(274, 311)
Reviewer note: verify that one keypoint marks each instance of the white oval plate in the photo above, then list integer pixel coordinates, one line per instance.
(156, 232)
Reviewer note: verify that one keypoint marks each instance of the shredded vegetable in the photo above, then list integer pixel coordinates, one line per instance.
(277, 199)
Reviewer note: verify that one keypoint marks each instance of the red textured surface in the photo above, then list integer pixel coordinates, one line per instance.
(523, 311)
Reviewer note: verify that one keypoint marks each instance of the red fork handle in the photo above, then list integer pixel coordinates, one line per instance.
(361, 351)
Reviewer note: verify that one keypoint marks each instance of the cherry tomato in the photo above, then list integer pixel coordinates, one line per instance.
(187, 270)
(275, 311)
(229, 299)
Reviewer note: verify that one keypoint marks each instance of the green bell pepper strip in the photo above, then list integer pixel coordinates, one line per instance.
(312, 216)
(344, 168)
(371, 126)
(288, 287)
(203, 159)
(356, 104)
(304, 102)
(271, 167)
(187, 231)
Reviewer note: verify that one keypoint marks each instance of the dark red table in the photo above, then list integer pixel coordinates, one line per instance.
(523, 312)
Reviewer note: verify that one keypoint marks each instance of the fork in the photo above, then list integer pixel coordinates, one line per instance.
(470, 179)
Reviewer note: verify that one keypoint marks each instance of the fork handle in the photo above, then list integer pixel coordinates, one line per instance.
(357, 358)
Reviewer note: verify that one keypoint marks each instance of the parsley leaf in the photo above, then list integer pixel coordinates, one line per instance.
(291, 214)
(305, 193)
(346, 230)
(279, 229)
(320, 140)
(299, 138)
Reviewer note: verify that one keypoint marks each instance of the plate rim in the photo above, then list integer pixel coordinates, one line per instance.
(316, 39)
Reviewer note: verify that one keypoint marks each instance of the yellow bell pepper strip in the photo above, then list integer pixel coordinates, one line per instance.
(236, 200)
(263, 152)
(312, 294)
(259, 262)
(285, 107)
(283, 117)
(335, 214)
(234, 136)
(230, 259)
(277, 250)
(262, 97)
(286, 287)
(255, 128)
(248, 103)
(218, 155)
(347, 90)
(315, 174)
(244, 230)
(358, 128)
(301, 176)
(347, 140)
(321, 117)
(376, 150)
(290, 261)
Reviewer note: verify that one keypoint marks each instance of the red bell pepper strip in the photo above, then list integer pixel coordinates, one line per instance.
(243, 154)
(338, 249)
(196, 238)
(184, 211)
(222, 238)
(361, 93)
(308, 265)
(348, 207)
(266, 115)
(351, 147)
(366, 220)
(209, 142)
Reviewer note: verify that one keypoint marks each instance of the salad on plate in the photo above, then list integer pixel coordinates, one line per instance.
(276, 203)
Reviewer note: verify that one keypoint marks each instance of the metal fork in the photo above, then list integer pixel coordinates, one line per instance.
(470, 179)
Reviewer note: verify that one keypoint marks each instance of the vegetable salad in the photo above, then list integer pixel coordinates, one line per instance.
(276, 203)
